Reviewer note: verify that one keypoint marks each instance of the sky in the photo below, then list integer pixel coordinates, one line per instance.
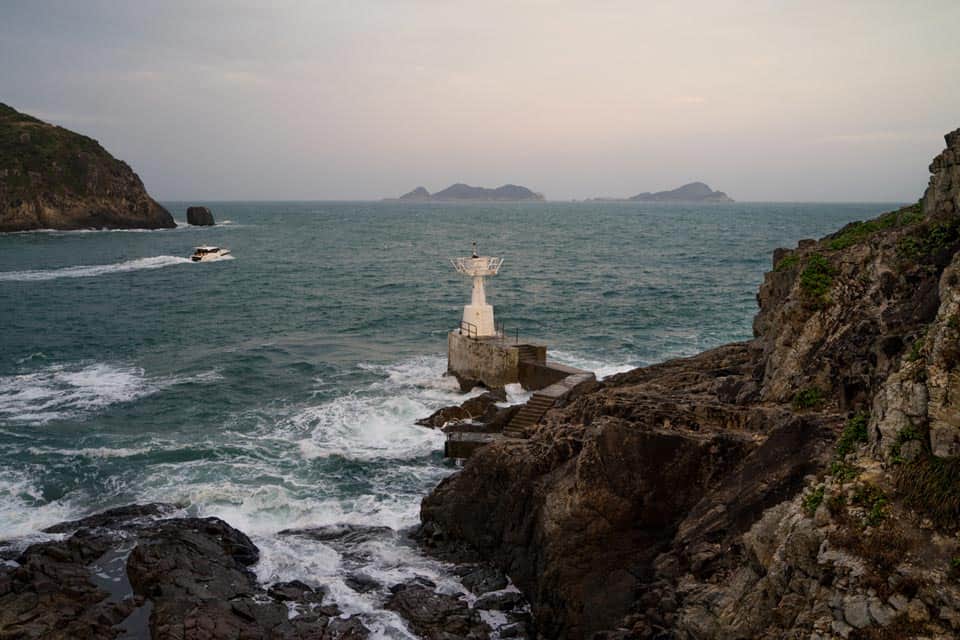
(364, 99)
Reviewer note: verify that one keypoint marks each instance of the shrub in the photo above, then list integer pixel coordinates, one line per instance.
(843, 471)
(813, 500)
(787, 263)
(816, 280)
(916, 349)
(809, 398)
(874, 501)
(853, 434)
(928, 241)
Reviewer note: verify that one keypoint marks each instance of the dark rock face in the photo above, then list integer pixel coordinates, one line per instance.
(182, 578)
(435, 615)
(199, 216)
(52, 178)
(482, 408)
(706, 497)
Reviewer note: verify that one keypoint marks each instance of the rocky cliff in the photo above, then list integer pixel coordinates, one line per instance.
(803, 484)
(52, 178)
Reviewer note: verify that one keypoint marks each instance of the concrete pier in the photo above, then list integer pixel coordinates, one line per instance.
(491, 361)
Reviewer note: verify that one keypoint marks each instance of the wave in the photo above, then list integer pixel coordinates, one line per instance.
(88, 271)
(61, 391)
(600, 368)
(91, 452)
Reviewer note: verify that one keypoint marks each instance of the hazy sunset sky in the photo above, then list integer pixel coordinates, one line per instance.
(365, 99)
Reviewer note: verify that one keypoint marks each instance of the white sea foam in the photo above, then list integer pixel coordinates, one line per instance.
(23, 511)
(601, 368)
(88, 271)
(60, 391)
(365, 428)
(91, 452)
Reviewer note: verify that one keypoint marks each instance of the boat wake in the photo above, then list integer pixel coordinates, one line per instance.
(89, 271)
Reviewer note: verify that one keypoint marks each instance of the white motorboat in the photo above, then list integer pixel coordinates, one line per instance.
(202, 254)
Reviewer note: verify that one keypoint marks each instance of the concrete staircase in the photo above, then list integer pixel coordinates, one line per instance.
(528, 352)
(529, 415)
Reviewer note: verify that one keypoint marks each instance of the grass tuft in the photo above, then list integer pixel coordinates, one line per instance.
(931, 485)
(853, 434)
(813, 500)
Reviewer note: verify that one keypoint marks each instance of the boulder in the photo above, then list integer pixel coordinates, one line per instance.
(182, 578)
(199, 216)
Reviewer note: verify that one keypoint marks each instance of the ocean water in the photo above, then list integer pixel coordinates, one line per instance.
(279, 389)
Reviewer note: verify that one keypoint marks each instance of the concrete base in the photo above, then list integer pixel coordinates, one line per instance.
(488, 361)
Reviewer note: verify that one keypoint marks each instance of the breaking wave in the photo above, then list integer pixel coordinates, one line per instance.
(61, 391)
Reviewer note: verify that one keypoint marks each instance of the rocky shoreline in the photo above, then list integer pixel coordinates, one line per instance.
(804, 484)
(149, 571)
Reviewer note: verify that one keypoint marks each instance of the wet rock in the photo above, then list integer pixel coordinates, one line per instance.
(341, 533)
(295, 591)
(361, 583)
(484, 579)
(184, 577)
(500, 600)
(50, 594)
(200, 216)
(119, 517)
(435, 615)
(482, 408)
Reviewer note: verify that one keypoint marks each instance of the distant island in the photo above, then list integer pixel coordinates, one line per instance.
(692, 192)
(53, 178)
(464, 192)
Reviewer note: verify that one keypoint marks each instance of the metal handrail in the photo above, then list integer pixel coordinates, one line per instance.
(471, 329)
(502, 333)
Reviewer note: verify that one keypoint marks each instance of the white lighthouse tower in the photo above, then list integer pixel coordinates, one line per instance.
(478, 315)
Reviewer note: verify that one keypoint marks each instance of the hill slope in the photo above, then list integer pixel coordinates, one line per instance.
(53, 178)
(692, 192)
(464, 192)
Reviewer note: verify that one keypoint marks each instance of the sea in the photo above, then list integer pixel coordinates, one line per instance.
(278, 388)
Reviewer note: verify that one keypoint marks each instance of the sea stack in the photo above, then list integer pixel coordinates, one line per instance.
(53, 178)
(199, 216)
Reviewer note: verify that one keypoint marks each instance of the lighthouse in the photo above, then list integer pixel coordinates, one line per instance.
(477, 320)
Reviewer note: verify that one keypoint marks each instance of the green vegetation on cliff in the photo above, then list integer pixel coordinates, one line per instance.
(51, 177)
(856, 232)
